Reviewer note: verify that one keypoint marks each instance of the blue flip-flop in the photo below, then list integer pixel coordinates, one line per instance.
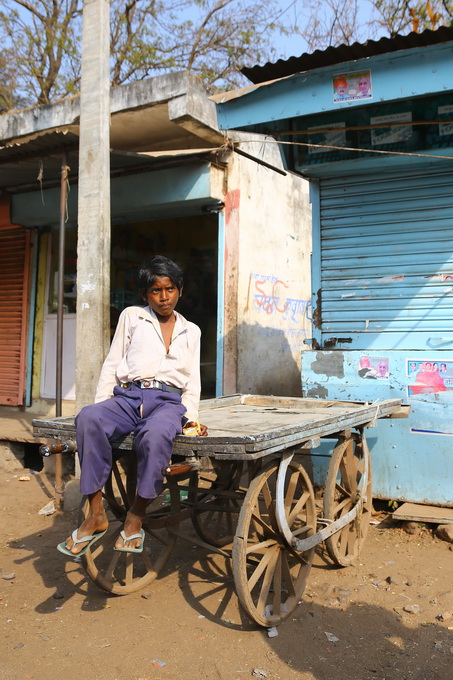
(91, 539)
(125, 538)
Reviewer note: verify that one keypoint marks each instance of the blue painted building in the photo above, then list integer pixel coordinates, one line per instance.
(371, 127)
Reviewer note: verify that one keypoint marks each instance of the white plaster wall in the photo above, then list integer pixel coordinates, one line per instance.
(273, 272)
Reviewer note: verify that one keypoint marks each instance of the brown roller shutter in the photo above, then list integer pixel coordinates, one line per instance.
(14, 261)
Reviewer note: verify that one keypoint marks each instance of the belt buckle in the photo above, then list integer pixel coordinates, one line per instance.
(146, 383)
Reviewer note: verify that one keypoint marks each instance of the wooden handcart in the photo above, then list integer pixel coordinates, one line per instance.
(248, 495)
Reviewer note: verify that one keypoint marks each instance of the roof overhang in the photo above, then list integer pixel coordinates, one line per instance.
(170, 116)
(37, 162)
(404, 74)
(343, 53)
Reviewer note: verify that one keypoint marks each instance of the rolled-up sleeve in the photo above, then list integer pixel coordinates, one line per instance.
(191, 393)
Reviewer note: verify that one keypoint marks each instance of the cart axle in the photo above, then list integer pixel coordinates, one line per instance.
(47, 450)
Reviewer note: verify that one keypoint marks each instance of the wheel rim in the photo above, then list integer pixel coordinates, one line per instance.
(269, 575)
(122, 573)
(344, 488)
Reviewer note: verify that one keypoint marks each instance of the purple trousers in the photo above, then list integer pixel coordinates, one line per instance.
(155, 417)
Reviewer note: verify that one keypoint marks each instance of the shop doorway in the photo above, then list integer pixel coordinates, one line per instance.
(192, 242)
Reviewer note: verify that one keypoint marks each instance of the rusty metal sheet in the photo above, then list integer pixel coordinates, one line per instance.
(14, 277)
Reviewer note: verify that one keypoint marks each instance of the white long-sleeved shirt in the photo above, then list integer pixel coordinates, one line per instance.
(138, 352)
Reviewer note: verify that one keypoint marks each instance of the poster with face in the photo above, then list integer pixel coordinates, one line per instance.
(376, 368)
(352, 86)
(431, 376)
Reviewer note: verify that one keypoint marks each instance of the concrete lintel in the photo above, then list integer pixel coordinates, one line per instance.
(39, 119)
(197, 115)
(137, 95)
(151, 91)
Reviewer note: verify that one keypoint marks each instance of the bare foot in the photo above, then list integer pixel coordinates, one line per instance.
(132, 526)
(93, 524)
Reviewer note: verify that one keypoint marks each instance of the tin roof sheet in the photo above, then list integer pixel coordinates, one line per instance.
(344, 53)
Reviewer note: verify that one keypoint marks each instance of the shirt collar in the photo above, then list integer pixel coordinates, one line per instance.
(150, 315)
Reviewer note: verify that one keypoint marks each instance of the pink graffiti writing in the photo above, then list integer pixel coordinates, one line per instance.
(269, 302)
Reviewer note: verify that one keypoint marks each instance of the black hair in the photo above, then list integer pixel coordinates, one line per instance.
(156, 266)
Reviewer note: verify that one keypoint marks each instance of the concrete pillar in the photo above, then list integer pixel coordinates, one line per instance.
(93, 250)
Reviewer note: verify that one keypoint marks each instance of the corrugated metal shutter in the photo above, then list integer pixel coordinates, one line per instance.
(387, 260)
(14, 254)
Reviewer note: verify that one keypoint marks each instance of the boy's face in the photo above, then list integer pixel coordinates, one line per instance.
(162, 296)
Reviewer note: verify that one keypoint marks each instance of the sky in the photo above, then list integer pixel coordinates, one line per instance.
(294, 46)
(296, 11)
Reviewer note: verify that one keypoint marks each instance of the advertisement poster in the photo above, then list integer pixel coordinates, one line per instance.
(336, 137)
(447, 127)
(391, 135)
(429, 377)
(376, 368)
(348, 87)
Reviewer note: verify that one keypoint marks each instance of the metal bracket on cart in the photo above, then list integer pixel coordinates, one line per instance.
(332, 527)
(68, 446)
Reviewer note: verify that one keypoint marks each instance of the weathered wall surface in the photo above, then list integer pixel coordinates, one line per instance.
(268, 225)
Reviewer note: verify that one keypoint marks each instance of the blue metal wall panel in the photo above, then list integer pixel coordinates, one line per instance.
(413, 457)
(171, 192)
(402, 75)
(387, 260)
(316, 254)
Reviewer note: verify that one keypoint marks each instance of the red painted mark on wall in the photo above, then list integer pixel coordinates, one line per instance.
(270, 303)
(232, 200)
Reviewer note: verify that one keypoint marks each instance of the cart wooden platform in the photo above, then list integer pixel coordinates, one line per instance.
(248, 495)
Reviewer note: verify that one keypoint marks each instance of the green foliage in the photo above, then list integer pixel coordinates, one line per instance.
(335, 22)
(401, 16)
(41, 38)
(211, 38)
(8, 98)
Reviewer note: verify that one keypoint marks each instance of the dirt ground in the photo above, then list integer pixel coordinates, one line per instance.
(350, 625)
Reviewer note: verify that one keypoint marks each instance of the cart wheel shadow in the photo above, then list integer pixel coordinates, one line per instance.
(63, 578)
(208, 587)
(360, 641)
(352, 640)
(207, 584)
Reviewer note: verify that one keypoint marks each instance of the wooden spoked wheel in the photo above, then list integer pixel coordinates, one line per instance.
(122, 573)
(345, 486)
(269, 574)
(217, 499)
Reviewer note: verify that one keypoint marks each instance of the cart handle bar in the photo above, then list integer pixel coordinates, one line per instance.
(47, 450)
(189, 465)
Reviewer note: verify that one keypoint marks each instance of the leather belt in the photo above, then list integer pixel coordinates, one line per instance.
(157, 385)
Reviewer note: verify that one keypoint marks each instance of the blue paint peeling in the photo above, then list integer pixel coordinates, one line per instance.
(412, 457)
